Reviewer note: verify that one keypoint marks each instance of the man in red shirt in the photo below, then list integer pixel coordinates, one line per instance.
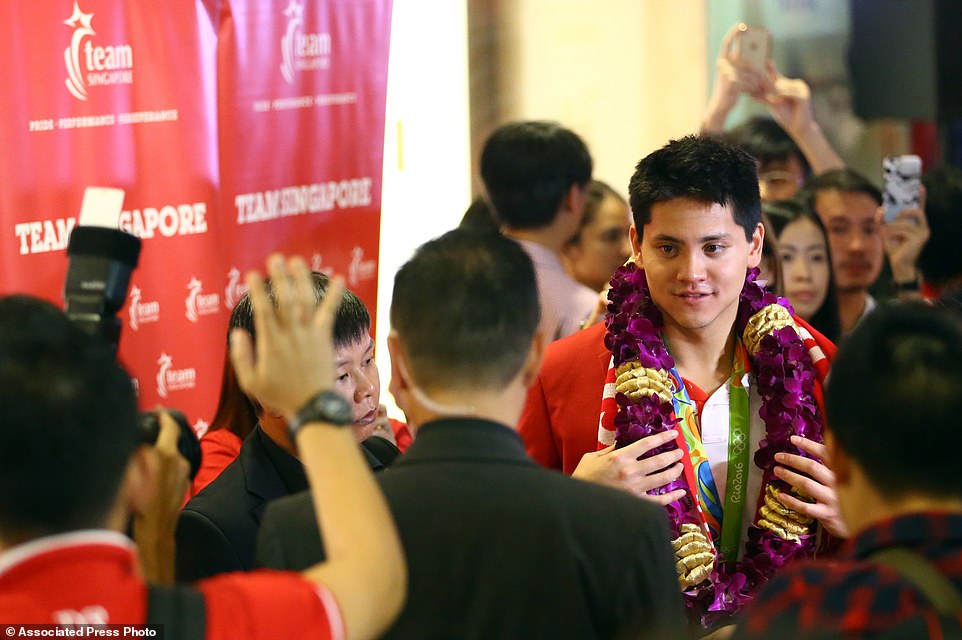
(72, 473)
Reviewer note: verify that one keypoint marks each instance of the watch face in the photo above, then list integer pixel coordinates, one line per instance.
(335, 408)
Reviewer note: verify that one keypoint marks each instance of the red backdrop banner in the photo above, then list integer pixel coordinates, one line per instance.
(236, 128)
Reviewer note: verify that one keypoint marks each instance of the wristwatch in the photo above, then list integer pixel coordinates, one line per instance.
(327, 406)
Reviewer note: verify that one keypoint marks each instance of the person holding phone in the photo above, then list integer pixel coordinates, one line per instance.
(791, 144)
(905, 230)
(850, 207)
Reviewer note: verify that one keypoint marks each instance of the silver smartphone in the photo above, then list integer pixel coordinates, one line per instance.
(754, 46)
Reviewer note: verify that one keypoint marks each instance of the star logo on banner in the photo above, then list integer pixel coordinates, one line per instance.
(294, 11)
(80, 19)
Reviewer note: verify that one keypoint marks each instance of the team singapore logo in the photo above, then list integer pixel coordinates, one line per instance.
(141, 312)
(171, 379)
(360, 268)
(89, 65)
(235, 289)
(198, 303)
(42, 236)
(302, 51)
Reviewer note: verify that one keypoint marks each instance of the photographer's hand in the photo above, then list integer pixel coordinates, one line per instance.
(155, 522)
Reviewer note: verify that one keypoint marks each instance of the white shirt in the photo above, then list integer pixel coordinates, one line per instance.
(565, 302)
(715, 435)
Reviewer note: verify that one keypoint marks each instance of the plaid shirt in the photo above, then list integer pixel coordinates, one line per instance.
(853, 597)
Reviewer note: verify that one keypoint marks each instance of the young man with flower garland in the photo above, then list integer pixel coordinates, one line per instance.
(707, 381)
(894, 404)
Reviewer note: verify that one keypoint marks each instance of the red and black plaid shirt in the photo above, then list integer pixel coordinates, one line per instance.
(852, 597)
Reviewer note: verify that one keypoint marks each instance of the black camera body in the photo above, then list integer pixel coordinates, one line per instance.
(98, 280)
(187, 442)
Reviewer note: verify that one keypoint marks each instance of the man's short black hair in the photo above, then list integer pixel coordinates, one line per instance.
(766, 141)
(893, 399)
(528, 167)
(700, 167)
(941, 261)
(235, 409)
(68, 423)
(465, 308)
(845, 180)
(351, 324)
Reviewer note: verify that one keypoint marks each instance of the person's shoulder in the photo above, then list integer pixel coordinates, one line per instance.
(265, 603)
(815, 341)
(611, 505)
(221, 441)
(588, 342)
(219, 492)
(842, 583)
(298, 505)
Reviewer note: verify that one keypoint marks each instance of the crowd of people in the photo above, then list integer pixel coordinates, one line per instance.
(679, 415)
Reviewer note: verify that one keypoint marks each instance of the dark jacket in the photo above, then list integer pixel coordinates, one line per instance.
(498, 547)
(217, 529)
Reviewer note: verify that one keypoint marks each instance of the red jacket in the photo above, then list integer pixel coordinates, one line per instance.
(559, 423)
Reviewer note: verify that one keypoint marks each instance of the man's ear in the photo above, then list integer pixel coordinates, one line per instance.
(532, 364)
(635, 239)
(576, 199)
(757, 242)
(400, 385)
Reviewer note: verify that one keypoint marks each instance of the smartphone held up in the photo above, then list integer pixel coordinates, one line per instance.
(902, 177)
(753, 47)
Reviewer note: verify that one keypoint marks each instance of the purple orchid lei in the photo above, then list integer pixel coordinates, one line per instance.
(785, 381)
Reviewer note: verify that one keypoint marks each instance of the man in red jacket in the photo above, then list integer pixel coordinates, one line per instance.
(701, 391)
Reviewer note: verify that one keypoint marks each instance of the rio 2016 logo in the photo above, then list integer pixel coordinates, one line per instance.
(89, 65)
(302, 51)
